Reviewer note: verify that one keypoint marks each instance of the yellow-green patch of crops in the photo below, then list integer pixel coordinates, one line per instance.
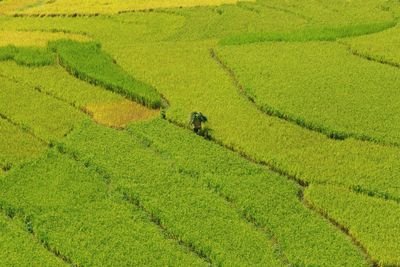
(320, 86)
(123, 29)
(72, 211)
(310, 33)
(35, 38)
(54, 80)
(341, 12)
(381, 47)
(224, 21)
(177, 199)
(20, 248)
(374, 222)
(267, 198)
(36, 112)
(87, 62)
(200, 84)
(106, 7)
(16, 145)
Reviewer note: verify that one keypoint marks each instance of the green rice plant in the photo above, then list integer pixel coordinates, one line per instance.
(7, 52)
(372, 221)
(176, 199)
(16, 145)
(267, 199)
(20, 248)
(110, 31)
(54, 80)
(90, 7)
(311, 33)
(72, 211)
(87, 62)
(33, 57)
(224, 21)
(42, 115)
(382, 47)
(327, 89)
(200, 83)
(341, 12)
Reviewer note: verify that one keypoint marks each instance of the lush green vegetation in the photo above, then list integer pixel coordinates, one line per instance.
(188, 210)
(382, 47)
(370, 220)
(315, 92)
(87, 62)
(308, 34)
(305, 118)
(267, 199)
(42, 115)
(75, 7)
(59, 84)
(12, 139)
(73, 211)
(27, 56)
(262, 198)
(307, 155)
(20, 248)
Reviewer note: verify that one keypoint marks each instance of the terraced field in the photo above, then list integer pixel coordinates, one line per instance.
(298, 163)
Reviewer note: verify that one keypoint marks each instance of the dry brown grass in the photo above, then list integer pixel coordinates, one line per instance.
(119, 114)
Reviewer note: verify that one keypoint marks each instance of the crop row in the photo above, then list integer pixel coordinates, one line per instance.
(73, 212)
(179, 202)
(381, 47)
(20, 38)
(87, 62)
(200, 84)
(336, 13)
(27, 56)
(88, 7)
(372, 221)
(16, 145)
(310, 33)
(19, 248)
(155, 165)
(44, 116)
(328, 89)
(55, 81)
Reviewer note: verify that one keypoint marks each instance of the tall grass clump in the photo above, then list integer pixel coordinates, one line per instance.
(87, 62)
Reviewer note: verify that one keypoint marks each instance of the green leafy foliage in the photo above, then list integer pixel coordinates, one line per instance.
(87, 62)
(73, 211)
(372, 221)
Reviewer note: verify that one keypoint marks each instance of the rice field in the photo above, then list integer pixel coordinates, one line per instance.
(293, 158)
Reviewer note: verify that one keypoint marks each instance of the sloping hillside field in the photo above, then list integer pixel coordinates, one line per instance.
(200, 133)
